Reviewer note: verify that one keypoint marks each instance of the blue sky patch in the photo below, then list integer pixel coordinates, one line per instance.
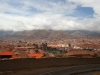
(83, 12)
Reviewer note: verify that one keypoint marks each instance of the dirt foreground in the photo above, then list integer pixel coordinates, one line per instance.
(38, 66)
(32, 71)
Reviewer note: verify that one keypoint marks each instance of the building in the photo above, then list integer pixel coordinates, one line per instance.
(7, 54)
(35, 55)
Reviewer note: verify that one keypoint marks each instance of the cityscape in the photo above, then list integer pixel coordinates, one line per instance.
(49, 37)
(44, 47)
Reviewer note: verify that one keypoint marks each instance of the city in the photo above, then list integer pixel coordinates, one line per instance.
(49, 37)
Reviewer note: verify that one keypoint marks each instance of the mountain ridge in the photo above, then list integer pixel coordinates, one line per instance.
(43, 34)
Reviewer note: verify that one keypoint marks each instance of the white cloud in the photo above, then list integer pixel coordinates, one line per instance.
(49, 6)
(39, 14)
(37, 21)
(88, 23)
(95, 4)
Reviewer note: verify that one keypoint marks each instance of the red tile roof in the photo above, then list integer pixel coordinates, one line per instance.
(7, 53)
(35, 55)
(14, 57)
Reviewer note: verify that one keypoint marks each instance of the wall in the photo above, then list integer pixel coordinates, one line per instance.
(18, 64)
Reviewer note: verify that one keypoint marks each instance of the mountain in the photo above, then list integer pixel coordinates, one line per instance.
(37, 34)
(45, 34)
(78, 34)
(2, 32)
(59, 34)
(83, 33)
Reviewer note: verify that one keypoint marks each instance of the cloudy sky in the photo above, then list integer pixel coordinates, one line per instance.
(50, 14)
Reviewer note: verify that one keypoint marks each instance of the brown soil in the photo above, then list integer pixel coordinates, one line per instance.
(38, 66)
(88, 73)
(34, 71)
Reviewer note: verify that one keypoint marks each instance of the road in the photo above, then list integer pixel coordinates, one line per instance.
(74, 69)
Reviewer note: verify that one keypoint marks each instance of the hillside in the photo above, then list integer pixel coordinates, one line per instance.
(83, 33)
(37, 34)
(44, 34)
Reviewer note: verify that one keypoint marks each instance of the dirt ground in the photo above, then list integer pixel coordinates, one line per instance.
(43, 70)
(38, 66)
(34, 71)
(88, 73)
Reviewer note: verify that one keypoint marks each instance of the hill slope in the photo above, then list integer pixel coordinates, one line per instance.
(44, 34)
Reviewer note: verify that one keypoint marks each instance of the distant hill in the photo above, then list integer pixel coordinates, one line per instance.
(2, 32)
(78, 34)
(59, 34)
(83, 33)
(43, 34)
(37, 34)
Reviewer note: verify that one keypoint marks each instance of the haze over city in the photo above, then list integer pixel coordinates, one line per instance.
(20, 15)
